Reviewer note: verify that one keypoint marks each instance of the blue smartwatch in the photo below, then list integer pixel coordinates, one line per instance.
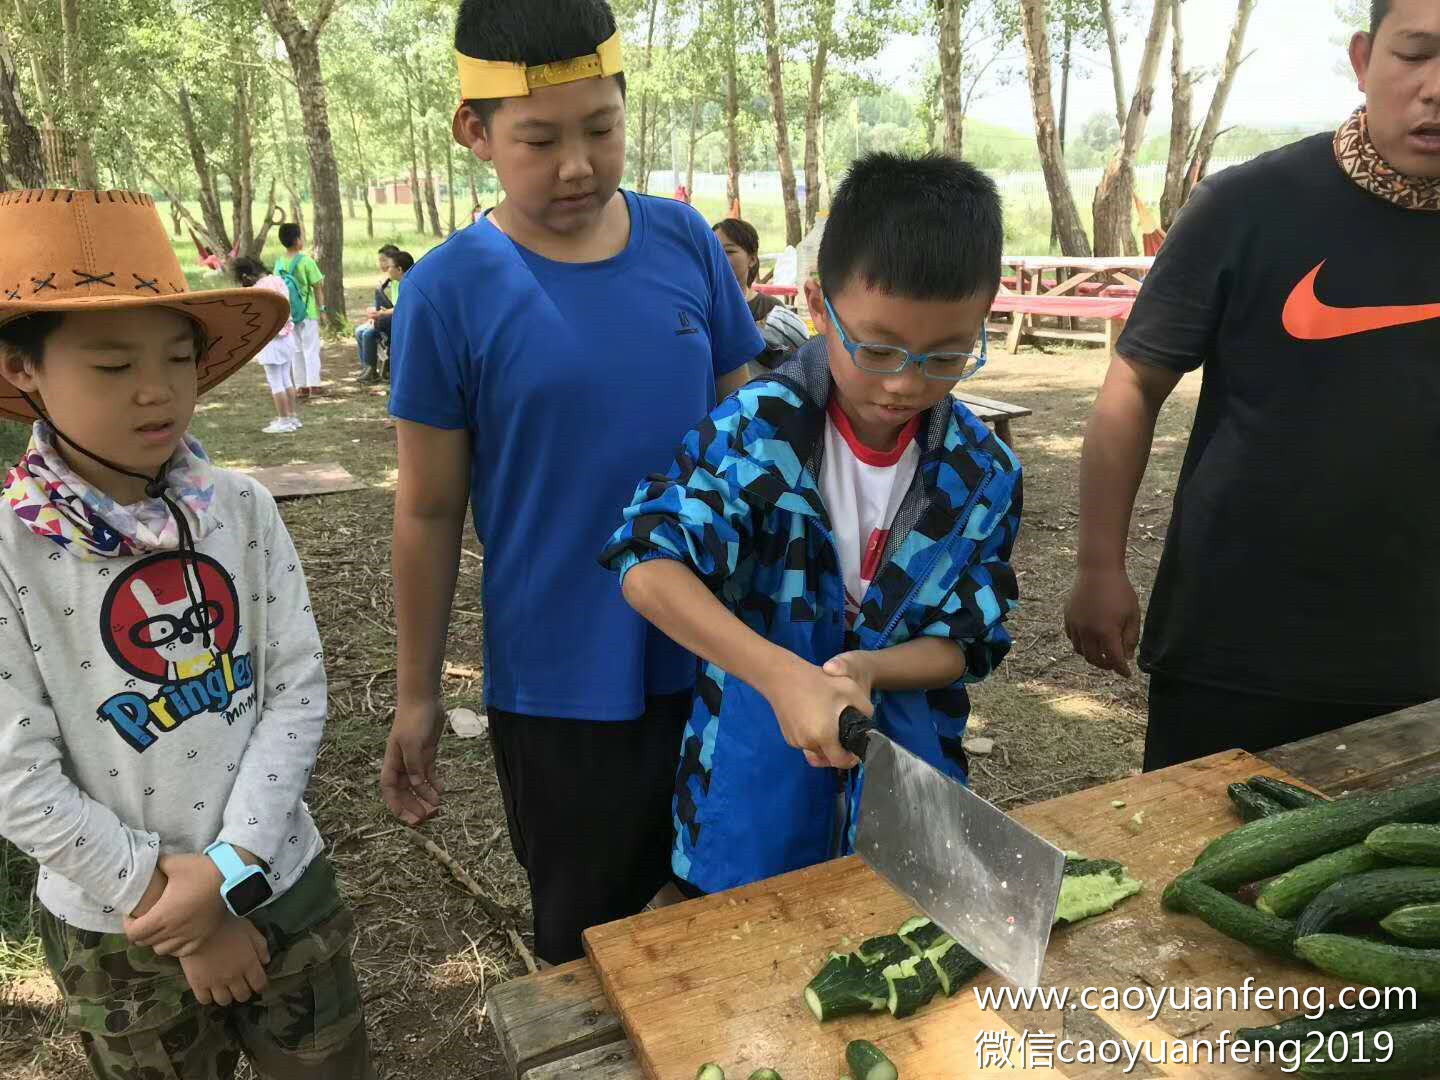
(245, 887)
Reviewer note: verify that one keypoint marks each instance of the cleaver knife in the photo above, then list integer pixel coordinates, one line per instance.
(985, 879)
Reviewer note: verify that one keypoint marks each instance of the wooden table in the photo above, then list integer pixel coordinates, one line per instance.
(558, 1024)
(1066, 289)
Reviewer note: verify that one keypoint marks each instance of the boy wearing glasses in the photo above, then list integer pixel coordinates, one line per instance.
(837, 533)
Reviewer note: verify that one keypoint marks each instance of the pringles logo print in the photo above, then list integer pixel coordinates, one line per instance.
(172, 621)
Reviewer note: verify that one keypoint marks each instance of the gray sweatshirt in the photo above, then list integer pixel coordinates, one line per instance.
(153, 704)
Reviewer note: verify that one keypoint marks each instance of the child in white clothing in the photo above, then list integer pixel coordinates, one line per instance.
(279, 354)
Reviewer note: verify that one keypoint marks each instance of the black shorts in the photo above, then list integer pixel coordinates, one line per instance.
(589, 809)
(1191, 720)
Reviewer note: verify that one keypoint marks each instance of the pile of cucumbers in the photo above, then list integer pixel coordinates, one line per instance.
(1350, 886)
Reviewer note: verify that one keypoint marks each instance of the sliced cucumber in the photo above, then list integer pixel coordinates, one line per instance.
(765, 1074)
(913, 983)
(921, 934)
(845, 986)
(884, 950)
(710, 1071)
(954, 965)
(1289, 893)
(867, 1061)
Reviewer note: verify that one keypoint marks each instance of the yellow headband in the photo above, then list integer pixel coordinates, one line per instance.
(483, 79)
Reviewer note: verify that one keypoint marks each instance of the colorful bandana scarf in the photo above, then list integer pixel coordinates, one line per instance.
(47, 495)
(1359, 160)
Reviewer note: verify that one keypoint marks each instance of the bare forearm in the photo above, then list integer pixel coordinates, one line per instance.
(728, 384)
(1112, 464)
(669, 595)
(923, 664)
(320, 297)
(425, 563)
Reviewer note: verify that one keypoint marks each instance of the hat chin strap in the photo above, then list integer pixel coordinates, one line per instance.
(155, 488)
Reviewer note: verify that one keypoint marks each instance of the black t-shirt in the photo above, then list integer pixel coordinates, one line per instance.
(1303, 557)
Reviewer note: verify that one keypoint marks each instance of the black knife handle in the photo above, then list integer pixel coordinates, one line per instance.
(855, 728)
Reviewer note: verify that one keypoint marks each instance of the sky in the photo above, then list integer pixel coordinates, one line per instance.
(1298, 75)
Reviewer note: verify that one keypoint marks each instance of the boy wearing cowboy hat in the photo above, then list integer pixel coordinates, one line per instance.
(162, 692)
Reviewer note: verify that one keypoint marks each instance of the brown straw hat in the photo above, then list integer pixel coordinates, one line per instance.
(107, 251)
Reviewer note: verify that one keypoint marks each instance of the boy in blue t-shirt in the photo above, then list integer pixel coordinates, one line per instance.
(609, 323)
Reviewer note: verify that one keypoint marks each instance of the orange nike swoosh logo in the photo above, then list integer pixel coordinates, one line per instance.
(1308, 318)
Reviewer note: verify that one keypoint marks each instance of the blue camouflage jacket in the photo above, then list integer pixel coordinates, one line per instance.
(742, 508)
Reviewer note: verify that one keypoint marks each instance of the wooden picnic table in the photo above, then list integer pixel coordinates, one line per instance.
(558, 1025)
(1067, 289)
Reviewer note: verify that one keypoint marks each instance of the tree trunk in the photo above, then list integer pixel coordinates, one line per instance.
(264, 234)
(690, 146)
(242, 186)
(428, 184)
(1210, 131)
(1117, 69)
(364, 169)
(642, 181)
(328, 233)
(209, 201)
(1064, 109)
(1115, 197)
(414, 170)
(85, 172)
(175, 220)
(1035, 29)
(450, 181)
(474, 191)
(793, 231)
(22, 141)
(1180, 105)
(815, 111)
(297, 212)
(732, 107)
(952, 59)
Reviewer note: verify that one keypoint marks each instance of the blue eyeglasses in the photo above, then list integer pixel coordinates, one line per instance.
(891, 359)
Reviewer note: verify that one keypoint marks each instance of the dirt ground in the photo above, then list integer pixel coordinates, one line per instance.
(426, 952)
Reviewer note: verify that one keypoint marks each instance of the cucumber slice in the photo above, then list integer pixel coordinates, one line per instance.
(710, 1071)
(845, 986)
(765, 1074)
(954, 965)
(867, 1062)
(913, 983)
(921, 934)
(884, 950)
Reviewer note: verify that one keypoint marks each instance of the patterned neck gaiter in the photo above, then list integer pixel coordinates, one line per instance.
(1361, 162)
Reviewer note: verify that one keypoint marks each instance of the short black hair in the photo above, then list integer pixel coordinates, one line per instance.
(743, 235)
(26, 335)
(403, 261)
(389, 251)
(1378, 10)
(927, 227)
(527, 32)
(248, 271)
(289, 234)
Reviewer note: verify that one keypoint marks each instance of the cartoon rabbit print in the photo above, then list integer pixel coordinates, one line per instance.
(176, 631)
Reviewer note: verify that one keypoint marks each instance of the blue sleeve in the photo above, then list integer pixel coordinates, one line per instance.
(428, 365)
(734, 337)
(972, 614)
(698, 513)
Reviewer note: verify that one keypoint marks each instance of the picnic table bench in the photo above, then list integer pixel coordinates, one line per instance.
(997, 413)
(558, 1025)
(1112, 311)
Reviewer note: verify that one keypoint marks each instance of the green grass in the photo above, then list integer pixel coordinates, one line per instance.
(20, 953)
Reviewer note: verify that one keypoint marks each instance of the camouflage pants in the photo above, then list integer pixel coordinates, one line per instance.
(138, 1019)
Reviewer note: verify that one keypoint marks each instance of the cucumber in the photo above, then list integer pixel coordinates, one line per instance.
(1418, 924)
(920, 934)
(954, 965)
(765, 1074)
(710, 1071)
(1250, 804)
(1275, 844)
(1414, 845)
(1287, 795)
(868, 1062)
(846, 987)
(1236, 920)
(1369, 896)
(1289, 893)
(884, 950)
(1374, 963)
(912, 984)
(1414, 1047)
(1302, 1027)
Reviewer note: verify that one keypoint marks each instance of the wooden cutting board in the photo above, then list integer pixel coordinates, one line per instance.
(720, 979)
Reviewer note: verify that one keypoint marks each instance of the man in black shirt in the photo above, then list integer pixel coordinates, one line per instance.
(1300, 585)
